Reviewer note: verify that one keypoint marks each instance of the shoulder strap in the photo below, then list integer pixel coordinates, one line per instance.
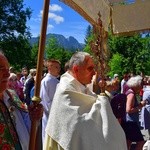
(129, 91)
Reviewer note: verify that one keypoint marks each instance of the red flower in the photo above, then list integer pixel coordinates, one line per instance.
(6, 147)
(2, 128)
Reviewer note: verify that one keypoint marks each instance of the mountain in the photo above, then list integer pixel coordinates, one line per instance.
(68, 43)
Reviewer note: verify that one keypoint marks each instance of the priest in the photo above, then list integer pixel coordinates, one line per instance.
(79, 119)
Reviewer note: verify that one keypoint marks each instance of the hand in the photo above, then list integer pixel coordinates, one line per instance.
(35, 112)
(143, 103)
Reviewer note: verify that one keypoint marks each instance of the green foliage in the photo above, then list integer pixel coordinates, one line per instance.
(13, 19)
(87, 47)
(51, 48)
(88, 40)
(53, 51)
(146, 58)
(115, 64)
(88, 34)
(18, 51)
(134, 51)
(34, 55)
(14, 33)
(127, 53)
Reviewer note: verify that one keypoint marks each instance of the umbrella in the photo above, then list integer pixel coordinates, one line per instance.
(123, 16)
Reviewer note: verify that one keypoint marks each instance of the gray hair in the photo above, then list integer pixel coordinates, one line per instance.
(32, 71)
(13, 76)
(134, 81)
(78, 59)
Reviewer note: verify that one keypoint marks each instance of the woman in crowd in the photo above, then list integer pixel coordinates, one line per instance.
(131, 122)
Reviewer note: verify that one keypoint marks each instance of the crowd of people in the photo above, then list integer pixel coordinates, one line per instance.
(74, 114)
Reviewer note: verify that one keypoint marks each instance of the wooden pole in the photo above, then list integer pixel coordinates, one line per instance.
(36, 99)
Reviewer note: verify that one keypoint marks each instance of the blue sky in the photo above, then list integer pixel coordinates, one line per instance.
(62, 20)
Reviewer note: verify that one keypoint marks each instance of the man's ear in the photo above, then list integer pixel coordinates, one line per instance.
(75, 68)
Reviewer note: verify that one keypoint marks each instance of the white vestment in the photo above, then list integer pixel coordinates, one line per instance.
(80, 120)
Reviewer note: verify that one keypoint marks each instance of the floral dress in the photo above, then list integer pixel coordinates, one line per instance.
(9, 139)
(8, 135)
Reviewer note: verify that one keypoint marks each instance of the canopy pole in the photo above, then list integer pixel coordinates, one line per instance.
(36, 99)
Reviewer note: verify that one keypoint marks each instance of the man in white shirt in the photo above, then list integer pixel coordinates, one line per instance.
(48, 87)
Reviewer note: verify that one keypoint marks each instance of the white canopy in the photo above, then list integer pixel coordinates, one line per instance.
(124, 16)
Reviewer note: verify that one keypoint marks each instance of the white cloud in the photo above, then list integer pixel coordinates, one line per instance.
(41, 13)
(58, 19)
(36, 19)
(55, 7)
(50, 26)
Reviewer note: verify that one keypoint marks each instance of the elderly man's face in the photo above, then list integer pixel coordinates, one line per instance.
(85, 72)
(4, 73)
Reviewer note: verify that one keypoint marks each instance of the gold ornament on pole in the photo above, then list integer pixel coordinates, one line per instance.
(100, 51)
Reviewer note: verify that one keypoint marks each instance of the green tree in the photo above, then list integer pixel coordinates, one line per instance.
(146, 58)
(88, 34)
(134, 50)
(88, 39)
(13, 19)
(14, 33)
(18, 51)
(34, 55)
(115, 64)
(53, 51)
(127, 53)
(51, 48)
(87, 47)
